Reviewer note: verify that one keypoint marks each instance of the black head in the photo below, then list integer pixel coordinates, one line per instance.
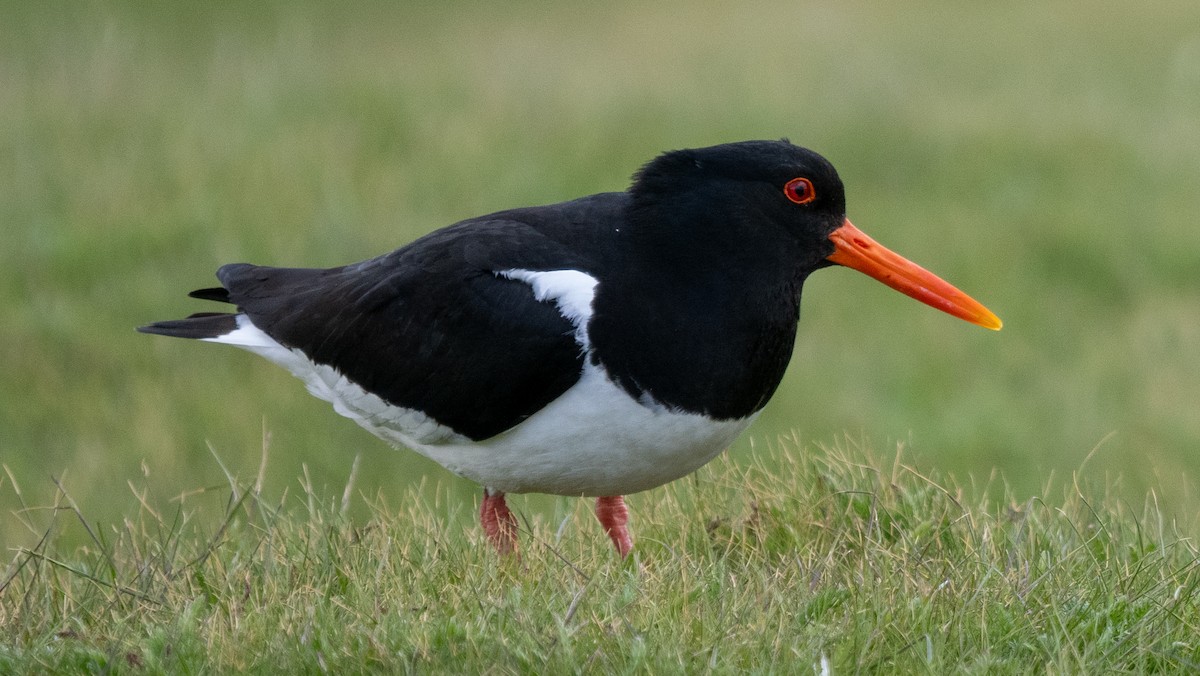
(773, 206)
(770, 188)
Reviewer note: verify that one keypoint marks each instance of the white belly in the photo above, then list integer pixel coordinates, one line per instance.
(594, 440)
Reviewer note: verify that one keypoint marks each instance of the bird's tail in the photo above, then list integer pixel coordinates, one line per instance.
(217, 327)
(202, 325)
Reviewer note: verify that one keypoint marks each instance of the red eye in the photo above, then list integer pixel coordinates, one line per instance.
(800, 190)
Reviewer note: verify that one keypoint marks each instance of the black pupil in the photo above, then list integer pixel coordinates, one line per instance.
(800, 189)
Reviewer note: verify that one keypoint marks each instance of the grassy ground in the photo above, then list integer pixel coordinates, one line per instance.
(856, 562)
(1041, 156)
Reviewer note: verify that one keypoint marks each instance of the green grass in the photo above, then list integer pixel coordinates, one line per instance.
(1040, 156)
(855, 559)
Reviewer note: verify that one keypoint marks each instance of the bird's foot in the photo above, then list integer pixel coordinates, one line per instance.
(498, 523)
(614, 516)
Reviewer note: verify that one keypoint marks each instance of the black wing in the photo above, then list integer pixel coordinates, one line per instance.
(430, 326)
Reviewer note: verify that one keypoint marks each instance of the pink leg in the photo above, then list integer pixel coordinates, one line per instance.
(498, 523)
(613, 515)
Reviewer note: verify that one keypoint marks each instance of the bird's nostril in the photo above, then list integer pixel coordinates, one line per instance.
(861, 243)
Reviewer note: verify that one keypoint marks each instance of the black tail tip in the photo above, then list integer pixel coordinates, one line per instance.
(197, 326)
(217, 293)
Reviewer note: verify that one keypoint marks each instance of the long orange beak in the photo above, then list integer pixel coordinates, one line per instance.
(856, 250)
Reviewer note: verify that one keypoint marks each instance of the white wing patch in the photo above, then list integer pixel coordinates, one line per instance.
(571, 290)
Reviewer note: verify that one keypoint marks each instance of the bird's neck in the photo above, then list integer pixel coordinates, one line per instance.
(702, 318)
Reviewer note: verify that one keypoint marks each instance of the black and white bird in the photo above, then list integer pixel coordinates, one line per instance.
(597, 347)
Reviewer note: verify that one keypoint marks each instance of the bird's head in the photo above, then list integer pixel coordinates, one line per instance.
(795, 195)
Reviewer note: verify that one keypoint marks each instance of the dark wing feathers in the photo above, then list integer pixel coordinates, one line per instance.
(429, 326)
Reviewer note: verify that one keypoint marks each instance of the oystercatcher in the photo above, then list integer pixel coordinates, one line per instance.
(597, 347)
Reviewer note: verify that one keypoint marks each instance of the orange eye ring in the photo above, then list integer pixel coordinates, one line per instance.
(800, 190)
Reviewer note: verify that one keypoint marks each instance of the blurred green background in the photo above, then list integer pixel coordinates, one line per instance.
(1045, 157)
